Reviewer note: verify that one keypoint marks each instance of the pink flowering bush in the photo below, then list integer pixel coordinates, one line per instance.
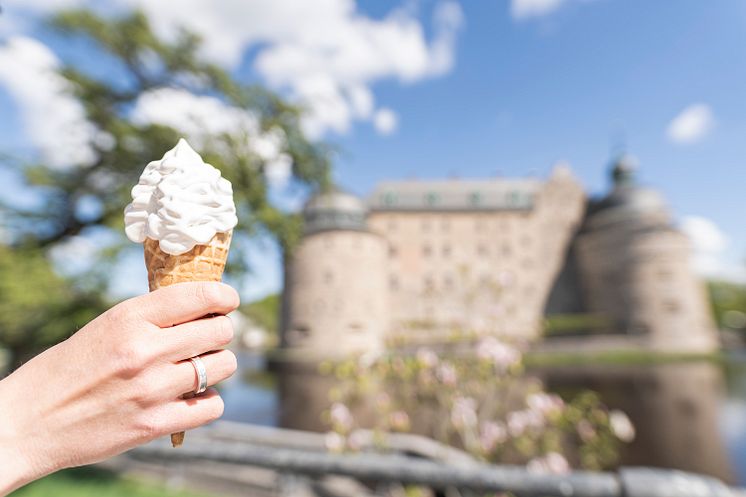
(480, 402)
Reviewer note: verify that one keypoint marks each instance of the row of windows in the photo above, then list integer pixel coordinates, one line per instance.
(473, 199)
(481, 250)
(449, 282)
(428, 224)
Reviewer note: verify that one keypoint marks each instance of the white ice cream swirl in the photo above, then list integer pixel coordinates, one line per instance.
(181, 201)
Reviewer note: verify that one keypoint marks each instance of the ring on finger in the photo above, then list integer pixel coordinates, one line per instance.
(201, 371)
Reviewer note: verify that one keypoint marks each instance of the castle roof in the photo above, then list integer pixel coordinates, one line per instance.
(334, 209)
(628, 201)
(454, 195)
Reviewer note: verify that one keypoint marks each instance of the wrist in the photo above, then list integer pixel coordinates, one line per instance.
(15, 468)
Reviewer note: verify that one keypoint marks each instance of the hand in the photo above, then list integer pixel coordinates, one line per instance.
(116, 383)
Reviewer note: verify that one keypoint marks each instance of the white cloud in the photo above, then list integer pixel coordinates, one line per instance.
(691, 124)
(709, 247)
(325, 54)
(197, 116)
(201, 117)
(385, 121)
(53, 120)
(524, 9)
(527, 9)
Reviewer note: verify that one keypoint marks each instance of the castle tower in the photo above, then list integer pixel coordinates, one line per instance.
(336, 296)
(635, 269)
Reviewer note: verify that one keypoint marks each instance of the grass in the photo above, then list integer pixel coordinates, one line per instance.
(614, 357)
(95, 482)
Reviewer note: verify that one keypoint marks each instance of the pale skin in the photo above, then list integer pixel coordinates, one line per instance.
(116, 383)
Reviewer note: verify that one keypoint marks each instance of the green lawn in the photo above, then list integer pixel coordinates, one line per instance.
(94, 482)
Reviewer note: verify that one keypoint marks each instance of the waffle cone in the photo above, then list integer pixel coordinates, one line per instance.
(202, 263)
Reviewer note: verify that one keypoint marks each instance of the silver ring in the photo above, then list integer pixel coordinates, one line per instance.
(199, 368)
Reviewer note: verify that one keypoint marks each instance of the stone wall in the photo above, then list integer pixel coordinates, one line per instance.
(338, 298)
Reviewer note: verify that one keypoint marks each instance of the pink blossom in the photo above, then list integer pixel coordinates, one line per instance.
(585, 430)
(334, 441)
(341, 416)
(464, 412)
(427, 357)
(503, 356)
(491, 434)
(523, 420)
(553, 462)
(621, 425)
(446, 373)
(358, 439)
(399, 420)
(544, 403)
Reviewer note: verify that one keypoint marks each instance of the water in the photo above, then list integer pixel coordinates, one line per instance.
(689, 416)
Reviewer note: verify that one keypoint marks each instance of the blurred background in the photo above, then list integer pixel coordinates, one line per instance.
(510, 226)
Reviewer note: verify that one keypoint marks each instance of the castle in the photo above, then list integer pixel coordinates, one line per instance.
(423, 258)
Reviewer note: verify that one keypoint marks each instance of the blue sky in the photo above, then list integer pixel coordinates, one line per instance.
(523, 92)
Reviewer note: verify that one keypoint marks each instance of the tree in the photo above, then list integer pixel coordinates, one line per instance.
(123, 146)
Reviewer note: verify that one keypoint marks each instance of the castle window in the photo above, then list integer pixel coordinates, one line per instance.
(432, 198)
(448, 282)
(427, 250)
(429, 282)
(671, 306)
(665, 275)
(446, 250)
(392, 251)
(475, 198)
(298, 334)
(328, 277)
(356, 327)
(482, 250)
(394, 283)
(506, 251)
(388, 198)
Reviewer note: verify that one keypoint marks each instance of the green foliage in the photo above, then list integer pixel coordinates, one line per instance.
(265, 312)
(728, 300)
(40, 308)
(37, 307)
(93, 482)
(561, 324)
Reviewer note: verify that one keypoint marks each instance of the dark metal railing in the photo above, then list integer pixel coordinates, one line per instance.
(460, 473)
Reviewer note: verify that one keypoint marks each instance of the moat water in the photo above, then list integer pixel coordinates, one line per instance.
(689, 416)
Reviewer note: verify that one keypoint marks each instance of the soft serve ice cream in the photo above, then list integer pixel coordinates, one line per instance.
(181, 201)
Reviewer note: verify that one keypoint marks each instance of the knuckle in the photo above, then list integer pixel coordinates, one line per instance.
(216, 409)
(224, 332)
(131, 357)
(231, 362)
(148, 426)
(209, 294)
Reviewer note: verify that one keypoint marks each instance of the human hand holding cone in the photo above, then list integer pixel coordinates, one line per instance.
(183, 213)
(202, 263)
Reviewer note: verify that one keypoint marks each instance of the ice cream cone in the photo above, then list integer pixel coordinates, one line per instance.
(202, 263)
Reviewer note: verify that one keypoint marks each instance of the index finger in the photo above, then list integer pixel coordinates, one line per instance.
(183, 302)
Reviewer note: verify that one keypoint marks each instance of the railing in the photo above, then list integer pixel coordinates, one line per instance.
(451, 471)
